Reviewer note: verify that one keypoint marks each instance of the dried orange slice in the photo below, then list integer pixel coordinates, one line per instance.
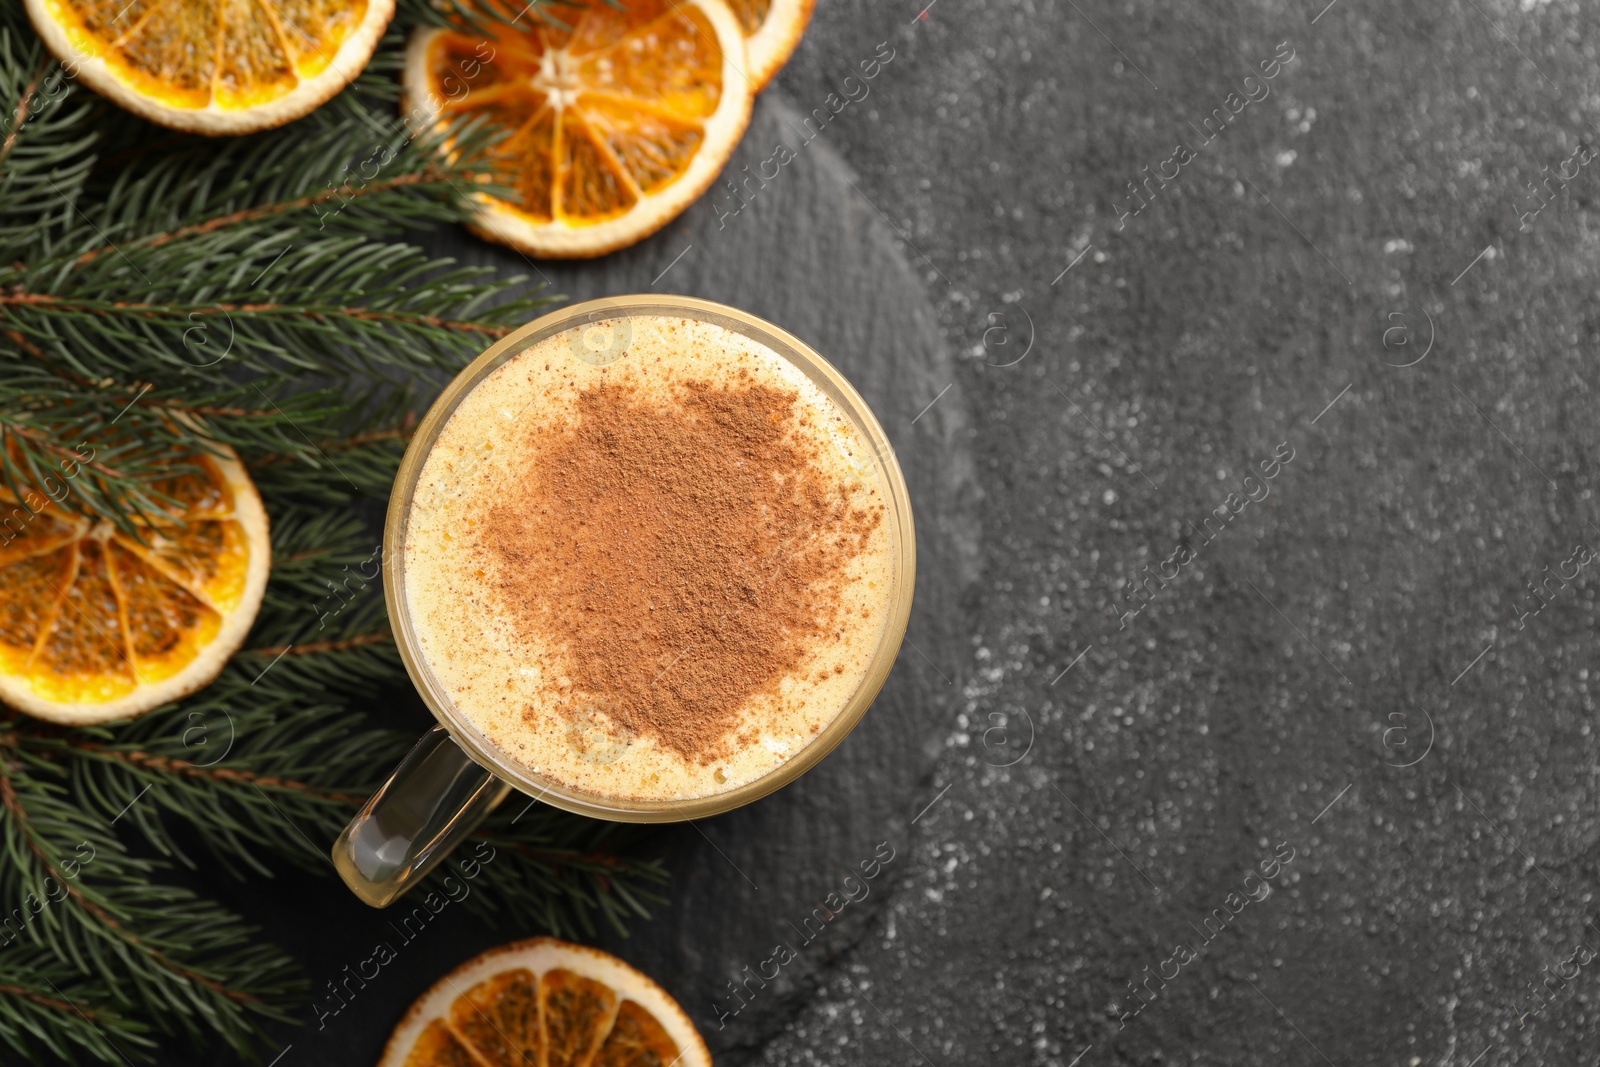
(213, 66)
(617, 119)
(96, 624)
(772, 30)
(549, 1003)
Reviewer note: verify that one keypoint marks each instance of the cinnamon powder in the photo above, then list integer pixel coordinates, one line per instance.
(683, 557)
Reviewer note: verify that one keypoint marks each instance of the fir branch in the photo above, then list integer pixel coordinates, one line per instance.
(318, 648)
(47, 1004)
(44, 162)
(556, 874)
(565, 873)
(167, 766)
(186, 313)
(27, 100)
(160, 294)
(432, 175)
(183, 960)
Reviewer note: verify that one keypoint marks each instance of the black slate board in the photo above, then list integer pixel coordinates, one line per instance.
(809, 253)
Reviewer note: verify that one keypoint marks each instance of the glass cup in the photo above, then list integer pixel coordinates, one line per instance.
(455, 775)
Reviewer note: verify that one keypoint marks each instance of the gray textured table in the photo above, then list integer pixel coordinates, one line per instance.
(1325, 790)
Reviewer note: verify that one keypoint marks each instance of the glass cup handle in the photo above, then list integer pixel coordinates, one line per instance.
(433, 800)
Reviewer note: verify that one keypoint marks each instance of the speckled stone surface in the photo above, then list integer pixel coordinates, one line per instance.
(1343, 668)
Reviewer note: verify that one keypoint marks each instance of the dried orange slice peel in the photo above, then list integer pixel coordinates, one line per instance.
(616, 120)
(96, 624)
(550, 1003)
(213, 66)
(772, 30)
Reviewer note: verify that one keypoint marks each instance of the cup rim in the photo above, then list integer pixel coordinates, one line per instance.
(788, 347)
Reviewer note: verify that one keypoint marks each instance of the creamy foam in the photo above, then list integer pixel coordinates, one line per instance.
(513, 679)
